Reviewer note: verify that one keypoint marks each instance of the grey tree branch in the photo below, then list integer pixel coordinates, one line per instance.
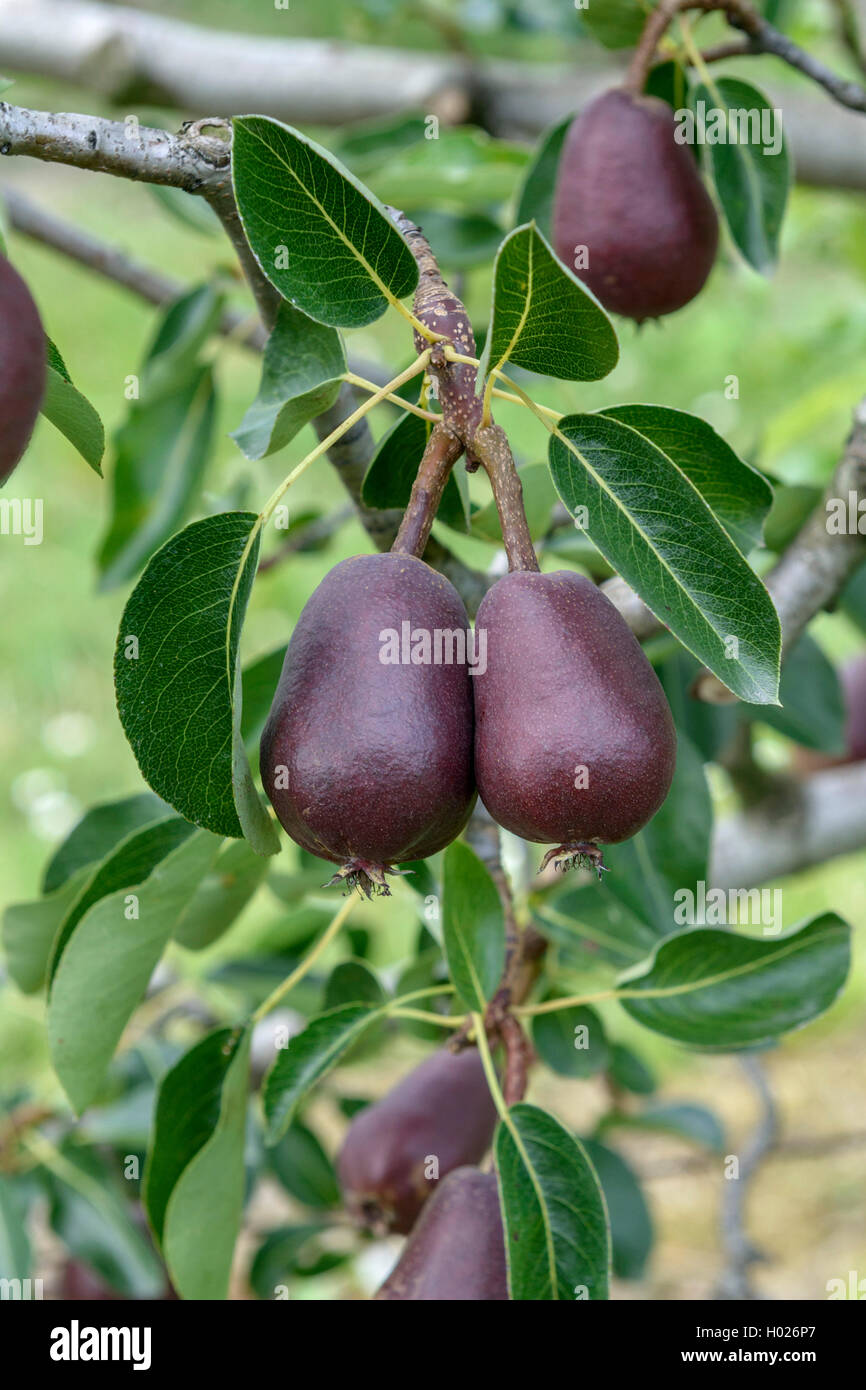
(818, 564)
(113, 264)
(740, 1252)
(134, 57)
(802, 823)
(762, 38)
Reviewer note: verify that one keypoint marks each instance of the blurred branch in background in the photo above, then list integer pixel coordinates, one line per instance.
(113, 264)
(133, 57)
(740, 1253)
(815, 568)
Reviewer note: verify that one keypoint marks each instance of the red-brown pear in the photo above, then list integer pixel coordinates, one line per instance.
(575, 745)
(22, 367)
(441, 1111)
(367, 752)
(456, 1253)
(632, 217)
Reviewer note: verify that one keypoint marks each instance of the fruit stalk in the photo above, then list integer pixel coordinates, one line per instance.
(453, 368)
(739, 13)
(442, 452)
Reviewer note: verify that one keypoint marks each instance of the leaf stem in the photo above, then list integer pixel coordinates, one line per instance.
(515, 400)
(380, 393)
(551, 1006)
(306, 965)
(355, 380)
(449, 1021)
(489, 1070)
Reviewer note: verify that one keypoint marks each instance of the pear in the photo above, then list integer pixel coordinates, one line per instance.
(575, 745)
(441, 1111)
(631, 216)
(456, 1253)
(22, 367)
(367, 752)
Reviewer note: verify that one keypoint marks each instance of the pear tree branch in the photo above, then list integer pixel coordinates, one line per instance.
(761, 38)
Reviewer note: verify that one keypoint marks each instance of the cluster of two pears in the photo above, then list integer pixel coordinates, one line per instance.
(564, 730)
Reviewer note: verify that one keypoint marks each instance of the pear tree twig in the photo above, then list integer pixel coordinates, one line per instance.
(761, 38)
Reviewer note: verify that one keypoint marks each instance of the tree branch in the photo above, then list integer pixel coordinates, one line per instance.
(735, 1282)
(113, 264)
(134, 57)
(762, 38)
(802, 823)
(818, 563)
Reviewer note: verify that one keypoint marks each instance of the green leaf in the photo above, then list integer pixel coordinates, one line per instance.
(29, 930)
(630, 1071)
(631, 1227)
(352, 982)
(285, 1253)
(616, 23)
(716, 989)
(177, 677)
(684, 1121)
(308, 1057)
(675, 846)
(473, 926)
(737, 494)
(391, 473)
(542, 318)
(365, 145)
(107, 963)
(535, 202)
(812, 707)
(343, 260)
(182, 331)
(14, 1241)
(613, 930)
(96, 1225)
(194, 1180)
(163, 450)
(125, 866)
(73, 415)
(648, 519)
(304, 1168)
(99, 830)
(853, 600)
(557, 1239)
(302, 370)
(230, 883)
(752, 179)
(571, 1041)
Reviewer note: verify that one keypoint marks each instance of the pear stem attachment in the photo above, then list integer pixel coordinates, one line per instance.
(442, 452)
